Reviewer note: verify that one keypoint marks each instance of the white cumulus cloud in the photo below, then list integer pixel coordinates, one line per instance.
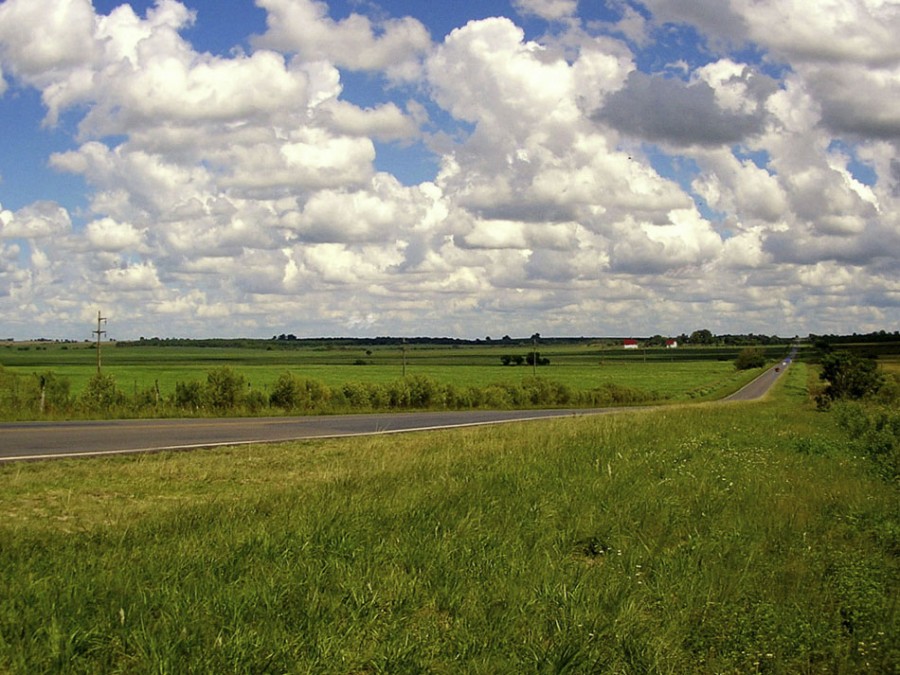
(358, 173)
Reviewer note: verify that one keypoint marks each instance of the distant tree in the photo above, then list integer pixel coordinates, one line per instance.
(750, 357)
(823, 346)
(702, 337)
(850, 376)
(533, 357)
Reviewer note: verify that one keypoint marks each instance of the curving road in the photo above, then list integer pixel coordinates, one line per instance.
(56, 440)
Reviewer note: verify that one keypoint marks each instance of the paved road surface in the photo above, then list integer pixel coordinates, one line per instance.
(50, 440)
(40, 440)
(761, 385)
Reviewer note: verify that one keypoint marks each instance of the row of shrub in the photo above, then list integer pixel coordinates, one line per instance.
(866, 403)
(873, 431)
(227, 392)
(531, 359)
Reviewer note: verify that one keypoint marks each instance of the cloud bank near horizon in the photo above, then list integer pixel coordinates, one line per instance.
(663, 167)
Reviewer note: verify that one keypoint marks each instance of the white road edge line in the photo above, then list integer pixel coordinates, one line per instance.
(226, 444)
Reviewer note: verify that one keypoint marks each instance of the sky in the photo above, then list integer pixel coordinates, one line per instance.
(440, 168)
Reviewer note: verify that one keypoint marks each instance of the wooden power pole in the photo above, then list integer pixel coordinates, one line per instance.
(99, 333)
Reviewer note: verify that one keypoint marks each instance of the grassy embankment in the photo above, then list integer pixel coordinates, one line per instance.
(723, 538)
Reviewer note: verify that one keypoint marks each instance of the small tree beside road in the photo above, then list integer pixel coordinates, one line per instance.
(849, 376)
(750, 357)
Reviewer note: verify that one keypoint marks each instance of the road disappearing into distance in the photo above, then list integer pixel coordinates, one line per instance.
(57, 440)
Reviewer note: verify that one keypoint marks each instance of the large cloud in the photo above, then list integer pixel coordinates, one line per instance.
(845, 50)
(723, 105)
(304, 27)
(59, 37)
(547, 9)
(246, 193)
(41, 220)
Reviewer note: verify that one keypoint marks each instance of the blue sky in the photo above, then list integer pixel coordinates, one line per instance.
(357, 167)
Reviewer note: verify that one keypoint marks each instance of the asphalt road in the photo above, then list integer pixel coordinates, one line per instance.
(56, 440)
(761, 385)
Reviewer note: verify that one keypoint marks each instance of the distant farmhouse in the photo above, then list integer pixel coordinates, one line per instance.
(655, 341)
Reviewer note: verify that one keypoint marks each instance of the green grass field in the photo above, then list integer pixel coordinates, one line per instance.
(724, 538)
(668, 374)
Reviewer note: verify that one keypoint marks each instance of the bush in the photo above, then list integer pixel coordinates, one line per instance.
(533, 357)
(379, 397)
(356, 395)
(423, 392)
(874, 431)
(538, 391)
(317, 392)
(255, 401)
(225, 389)
(463, 398)
(289, 393)
(145, 398)
(26, 396)
(616, 394)
(54, 391)
(189, 395)
(849, 376)
(496, 396)
(399, 394)
(750, 357)
(101, 394)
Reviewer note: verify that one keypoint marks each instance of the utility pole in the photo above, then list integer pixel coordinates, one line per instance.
(404, 357)
(99, 333)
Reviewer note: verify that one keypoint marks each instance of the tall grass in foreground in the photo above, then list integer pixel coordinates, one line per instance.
(706, 539)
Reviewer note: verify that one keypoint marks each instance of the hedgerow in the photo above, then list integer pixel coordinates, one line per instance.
(226, 392)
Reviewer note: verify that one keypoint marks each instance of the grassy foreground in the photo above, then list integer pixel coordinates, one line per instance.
(712, 539)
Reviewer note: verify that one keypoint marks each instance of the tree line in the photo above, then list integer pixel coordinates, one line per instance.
(701, 337)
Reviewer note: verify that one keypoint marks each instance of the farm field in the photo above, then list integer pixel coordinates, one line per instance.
(666, 374)
(691, 539)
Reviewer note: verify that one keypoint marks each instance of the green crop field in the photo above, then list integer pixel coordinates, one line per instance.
(660, 374)
(712, 538)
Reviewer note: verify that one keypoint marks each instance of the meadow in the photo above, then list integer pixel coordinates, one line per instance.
(711, 538)
(154, 372)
